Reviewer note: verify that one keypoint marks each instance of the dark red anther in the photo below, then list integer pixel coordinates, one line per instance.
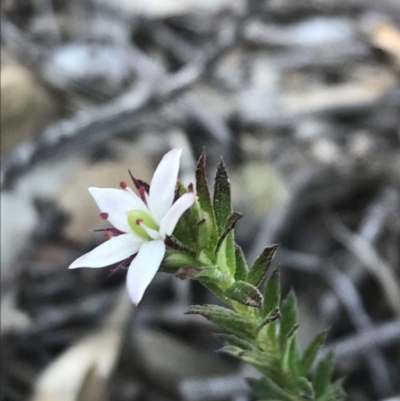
(113, 230)
(123, 184)
(141, 187)
(138, 221)
(104, 215)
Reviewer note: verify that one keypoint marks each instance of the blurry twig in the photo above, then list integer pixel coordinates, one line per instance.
(96, 125)
(383, 273)
(378, 336)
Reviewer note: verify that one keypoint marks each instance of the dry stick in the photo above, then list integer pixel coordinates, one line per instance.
(351, 300)
(106, 121)
(371, 260)
(351, 346)
(371, 228)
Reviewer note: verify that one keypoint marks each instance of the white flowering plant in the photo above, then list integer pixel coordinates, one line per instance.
(184, 231)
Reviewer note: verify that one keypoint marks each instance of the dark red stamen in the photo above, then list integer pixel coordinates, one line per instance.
(142, 194)
(104, 215)
(138, 221)
(141, 187)
(108, 234)
(123, 265)
(111, 230)
(123, 184)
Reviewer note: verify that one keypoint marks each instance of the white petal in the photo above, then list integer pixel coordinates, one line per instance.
(143, 268)
(153, 234)
(162, 187)
(173, 215)
(116, 202)
(112, 251)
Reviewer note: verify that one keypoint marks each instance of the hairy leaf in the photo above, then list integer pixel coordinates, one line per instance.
(272, 294)
(263, 361)
(203, 194)
(259, 269)
(222, 197)
(226, 318)
(230, 339)
(241, 265)
(266, 389)
(311, 352)
(288, 320)
(322, 375)
(229, 226)
(245, 294)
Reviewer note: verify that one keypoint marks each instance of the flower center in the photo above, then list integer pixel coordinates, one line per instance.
(137, 219)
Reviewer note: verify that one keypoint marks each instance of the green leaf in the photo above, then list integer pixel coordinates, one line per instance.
(322, 375)
(176, 259)
(271, 333)
(311, 352)
(186, 229)
(229, 226)
(226, 256)
(272, 294)
(203, 194)
(265, 362)
(205, 232)
(259, 269)
(271, 317)
(288, 320)
(214, 288)
(266, 389)
(230, 252)
(245, 294)
(241, 265)
(230, 339)
(210, 273)
(222, 197)
(304, 388)
(226, 318)
(291, 357)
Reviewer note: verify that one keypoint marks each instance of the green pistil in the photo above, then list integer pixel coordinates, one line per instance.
(138, 218)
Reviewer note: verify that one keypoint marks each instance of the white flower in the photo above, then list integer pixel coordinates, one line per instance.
(142, 224)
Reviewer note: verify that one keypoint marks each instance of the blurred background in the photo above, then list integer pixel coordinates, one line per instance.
(301, 98)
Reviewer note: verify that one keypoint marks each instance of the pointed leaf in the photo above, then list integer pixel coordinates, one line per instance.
(230, 339)
(271, 317)
(291, 357)
(311, 352)
(266, 389)
(259, 269)
(222, 197)
(304, 388)
(288, 320)
(226, 318)
(197, 272)
(245, 293)
(241, 265)
(177, 259)
(186, 229)
(230, 252)
(229, 226)
(203, 193)
(263, 361)
(322, 376)
(214, 288)
(272, 294)
(205, 232)
(271, 333)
